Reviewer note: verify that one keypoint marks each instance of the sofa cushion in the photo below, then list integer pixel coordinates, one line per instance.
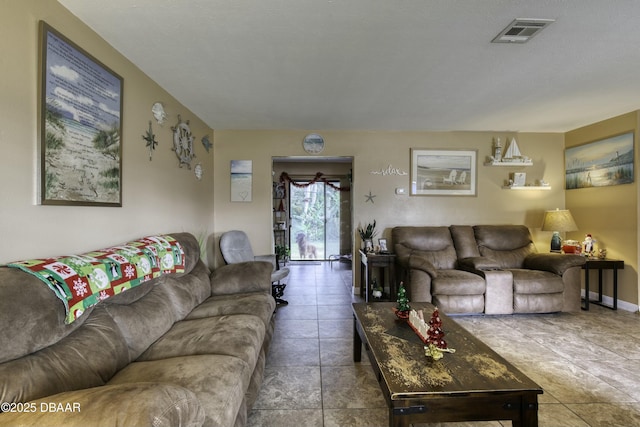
(170, 299)
(258, 304)
(508, 245)
(457, 282)
(458, 304)
(87, 357)
(218, 381)
(502, 237)
(537, 303)
(139, 404)
(536, 282)
(433, 244)
(240, 335)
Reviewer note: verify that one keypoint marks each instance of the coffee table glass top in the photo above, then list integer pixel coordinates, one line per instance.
(399, 355)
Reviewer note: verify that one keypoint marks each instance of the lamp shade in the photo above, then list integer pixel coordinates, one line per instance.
(558, 220)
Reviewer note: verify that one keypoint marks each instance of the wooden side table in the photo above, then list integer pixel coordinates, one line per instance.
(369, 261)
(601, 264)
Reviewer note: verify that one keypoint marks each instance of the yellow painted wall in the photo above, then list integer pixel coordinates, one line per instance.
(373, 151)
(157, 195)
(160, 197)
(610, 214)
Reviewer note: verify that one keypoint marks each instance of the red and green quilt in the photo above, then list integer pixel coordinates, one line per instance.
(81, 281)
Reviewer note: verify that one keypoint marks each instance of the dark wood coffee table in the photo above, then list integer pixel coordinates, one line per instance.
(473, 384)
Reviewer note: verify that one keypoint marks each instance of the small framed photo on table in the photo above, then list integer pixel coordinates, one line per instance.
(383, 245)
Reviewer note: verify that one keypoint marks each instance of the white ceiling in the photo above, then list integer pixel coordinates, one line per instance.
(381, 64)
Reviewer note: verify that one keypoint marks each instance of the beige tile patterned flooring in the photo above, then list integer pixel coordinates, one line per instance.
(588, 363)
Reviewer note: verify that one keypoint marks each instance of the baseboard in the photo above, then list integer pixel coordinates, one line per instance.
(622, 305)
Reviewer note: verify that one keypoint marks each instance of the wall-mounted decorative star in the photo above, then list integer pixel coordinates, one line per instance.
(151, 140)
(369, 197)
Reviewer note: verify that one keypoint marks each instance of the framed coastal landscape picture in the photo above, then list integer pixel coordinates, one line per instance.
(443, 172)
(80, 125)
(601, 163)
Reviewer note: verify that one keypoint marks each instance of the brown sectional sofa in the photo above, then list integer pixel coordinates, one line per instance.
(490, 269)
(183, 349)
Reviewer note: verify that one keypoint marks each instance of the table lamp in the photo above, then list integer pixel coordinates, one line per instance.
(558, 221)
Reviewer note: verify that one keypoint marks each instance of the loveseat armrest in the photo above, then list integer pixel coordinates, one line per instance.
(478, 263)
(408, 259)
(553, 263)
(243, 277)
(136, 404)
(418, 262)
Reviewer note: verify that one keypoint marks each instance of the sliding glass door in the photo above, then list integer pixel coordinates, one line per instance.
(315, 220)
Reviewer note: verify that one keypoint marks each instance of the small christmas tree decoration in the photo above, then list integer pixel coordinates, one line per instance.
(402, 308)
(436, 344)
(435, 334)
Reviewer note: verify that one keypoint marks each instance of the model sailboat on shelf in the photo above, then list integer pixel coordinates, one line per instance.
(511, 156)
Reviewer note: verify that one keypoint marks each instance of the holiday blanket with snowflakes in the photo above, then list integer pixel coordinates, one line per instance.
(81, 281)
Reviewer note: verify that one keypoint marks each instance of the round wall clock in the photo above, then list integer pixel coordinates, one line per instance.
(313, 143)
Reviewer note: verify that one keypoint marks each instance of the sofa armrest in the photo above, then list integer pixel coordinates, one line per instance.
(271, 258)
(418, 262)
(553, 263)
(251, 276)
(156, 404)
(478, 263)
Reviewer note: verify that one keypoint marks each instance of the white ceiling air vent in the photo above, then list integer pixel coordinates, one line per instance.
(521, 30)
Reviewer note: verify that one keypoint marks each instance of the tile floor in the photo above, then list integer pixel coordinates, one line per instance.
(588, 363)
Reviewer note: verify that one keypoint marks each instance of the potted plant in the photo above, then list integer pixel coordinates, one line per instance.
(367, 234)
(282, 253)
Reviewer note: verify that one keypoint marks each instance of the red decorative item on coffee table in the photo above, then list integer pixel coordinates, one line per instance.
(430, 333)
(435, 334)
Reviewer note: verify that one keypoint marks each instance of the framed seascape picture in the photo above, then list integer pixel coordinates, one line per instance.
(80, 125)
(600, 163)
(443, 172)
(241, 180)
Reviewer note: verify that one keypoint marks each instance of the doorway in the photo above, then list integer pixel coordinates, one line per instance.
(313, 218)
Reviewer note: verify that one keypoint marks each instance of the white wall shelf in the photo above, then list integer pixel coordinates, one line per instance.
(526, 187)
(509, 164)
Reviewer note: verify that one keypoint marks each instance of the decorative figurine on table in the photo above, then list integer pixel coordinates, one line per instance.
(376, 290)
(402, 308)
(436, 345)
(588, 246)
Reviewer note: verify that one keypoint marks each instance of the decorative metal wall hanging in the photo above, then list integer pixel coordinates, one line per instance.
(151, 140)
(183, 142)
